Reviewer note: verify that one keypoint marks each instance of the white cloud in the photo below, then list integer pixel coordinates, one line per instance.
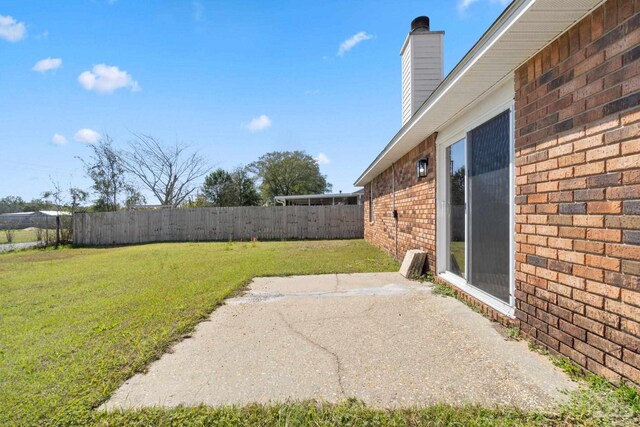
(88, 136)
(106, 79)
(323, 159)
(312, 91)
(198, 10)
(58, 139)
(463, 5)
(11, 30)
(259, 123)
(352, 42)
(47, 64)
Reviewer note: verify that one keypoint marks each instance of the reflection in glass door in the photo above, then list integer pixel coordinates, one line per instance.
(456, 208)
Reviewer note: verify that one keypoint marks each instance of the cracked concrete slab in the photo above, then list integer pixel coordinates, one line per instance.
(378, 337)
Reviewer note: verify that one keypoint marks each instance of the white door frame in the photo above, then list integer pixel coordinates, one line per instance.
(442, 218)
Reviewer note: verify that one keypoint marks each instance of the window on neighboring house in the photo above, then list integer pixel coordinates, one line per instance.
(371, 202)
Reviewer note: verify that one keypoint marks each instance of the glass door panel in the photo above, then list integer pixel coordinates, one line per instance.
(489, 163)
(456, 235)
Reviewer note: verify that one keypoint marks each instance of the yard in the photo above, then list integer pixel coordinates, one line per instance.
(25, 235)
(76, 323)
(457, 257)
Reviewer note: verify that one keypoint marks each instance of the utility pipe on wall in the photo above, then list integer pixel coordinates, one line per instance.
(394, 214)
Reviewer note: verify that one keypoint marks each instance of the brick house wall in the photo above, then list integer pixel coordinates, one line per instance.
(577, 231)
(578, 193)
(415, 203)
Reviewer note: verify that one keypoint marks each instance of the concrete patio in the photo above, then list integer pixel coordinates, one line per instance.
(378, 337)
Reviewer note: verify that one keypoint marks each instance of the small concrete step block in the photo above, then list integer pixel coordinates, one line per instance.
(413, 263)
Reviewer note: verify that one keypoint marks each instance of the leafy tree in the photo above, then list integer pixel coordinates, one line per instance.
(11, 204)
(235, 188)
(457, 187)
(287, 173)
(200, 201)
(37, 205)
(77, 196)
(134, 197)
(216, 188)
(168, 171)
(106, 169)
(245, 188)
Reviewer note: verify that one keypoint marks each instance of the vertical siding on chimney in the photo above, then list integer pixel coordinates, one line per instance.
(427, 66)
(406, 84)
(422, 70)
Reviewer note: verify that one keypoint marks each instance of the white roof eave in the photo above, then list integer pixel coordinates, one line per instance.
(319, 196)
(516, 21)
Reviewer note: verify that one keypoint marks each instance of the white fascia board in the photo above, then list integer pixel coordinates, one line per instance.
(509, 17)
(550, 17)
(404, 45)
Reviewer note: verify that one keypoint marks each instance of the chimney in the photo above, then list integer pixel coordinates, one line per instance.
(422, 65)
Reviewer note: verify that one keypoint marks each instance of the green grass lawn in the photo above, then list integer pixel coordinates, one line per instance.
(457, 257)
(26, 235)
(76, 323)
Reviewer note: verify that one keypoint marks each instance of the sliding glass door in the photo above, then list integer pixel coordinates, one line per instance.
(456, 206)
(476, 240)
(489, 208)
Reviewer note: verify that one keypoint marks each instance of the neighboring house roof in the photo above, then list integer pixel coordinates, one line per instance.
(36, 213)
(525, 27)
(320, 196)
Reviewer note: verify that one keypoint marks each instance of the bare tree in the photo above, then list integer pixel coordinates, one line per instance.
(9, 233)
(57, 196)
(106, 169)
(169, 172)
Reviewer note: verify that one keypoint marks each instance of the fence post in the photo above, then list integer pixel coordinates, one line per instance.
(57, 231)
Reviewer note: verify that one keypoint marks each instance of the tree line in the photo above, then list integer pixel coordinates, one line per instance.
(176, 176)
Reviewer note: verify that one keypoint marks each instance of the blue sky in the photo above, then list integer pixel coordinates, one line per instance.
(233, 79)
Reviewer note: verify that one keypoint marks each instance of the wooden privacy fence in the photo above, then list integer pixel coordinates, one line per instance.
(218, 224)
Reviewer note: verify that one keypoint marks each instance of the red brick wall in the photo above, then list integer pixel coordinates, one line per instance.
(415, 203)
(578, 193)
